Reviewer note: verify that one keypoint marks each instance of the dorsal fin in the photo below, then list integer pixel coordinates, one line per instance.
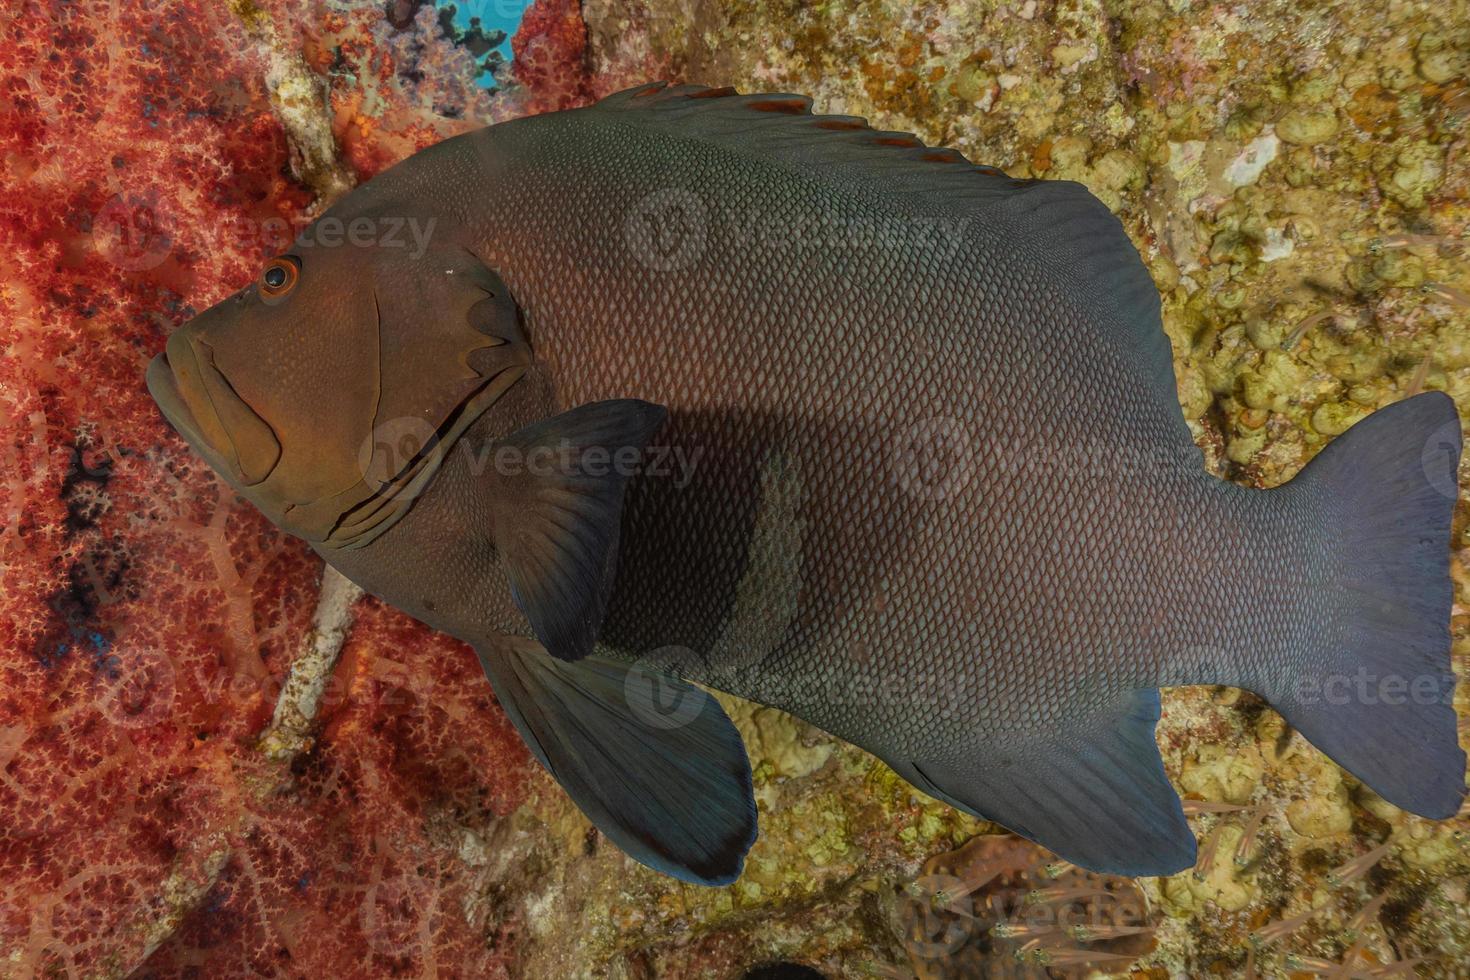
(782, 126)
(1057, 225)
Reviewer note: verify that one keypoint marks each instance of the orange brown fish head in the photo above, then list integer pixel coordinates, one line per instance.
(287, 387)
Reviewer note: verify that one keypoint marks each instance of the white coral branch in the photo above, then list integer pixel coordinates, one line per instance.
(296, 709)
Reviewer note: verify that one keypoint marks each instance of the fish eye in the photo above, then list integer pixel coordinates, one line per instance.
(279, 276)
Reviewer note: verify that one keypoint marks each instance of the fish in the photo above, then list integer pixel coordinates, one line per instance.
(691, 390)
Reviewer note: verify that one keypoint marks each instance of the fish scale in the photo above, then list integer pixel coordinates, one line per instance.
(805, 356)
(942, 503)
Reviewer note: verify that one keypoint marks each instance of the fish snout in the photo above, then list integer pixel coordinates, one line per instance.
(200, 402)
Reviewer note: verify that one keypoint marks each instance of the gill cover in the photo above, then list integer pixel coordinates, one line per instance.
(449, 345)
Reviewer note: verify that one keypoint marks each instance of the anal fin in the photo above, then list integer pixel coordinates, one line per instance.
(1096, 794)
(672, 788)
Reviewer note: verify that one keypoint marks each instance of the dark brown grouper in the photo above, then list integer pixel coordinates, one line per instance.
(870, 434)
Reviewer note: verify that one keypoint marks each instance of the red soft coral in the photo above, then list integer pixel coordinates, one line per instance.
(147, 616)
(550, 56)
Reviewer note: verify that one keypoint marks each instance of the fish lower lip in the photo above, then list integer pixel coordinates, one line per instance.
(164, 388)
(200, 402)
(163, 385)
(165, 391)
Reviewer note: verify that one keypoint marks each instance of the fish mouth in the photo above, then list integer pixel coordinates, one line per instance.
(200, 403)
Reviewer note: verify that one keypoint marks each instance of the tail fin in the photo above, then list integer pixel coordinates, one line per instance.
(1376, 691)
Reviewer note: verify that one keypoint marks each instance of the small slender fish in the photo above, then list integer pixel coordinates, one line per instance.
(694, 387)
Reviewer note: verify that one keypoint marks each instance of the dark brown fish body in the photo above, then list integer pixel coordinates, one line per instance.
(923, 481)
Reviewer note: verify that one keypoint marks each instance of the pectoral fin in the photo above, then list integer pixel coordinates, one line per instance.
(559, 503)
(652, 761)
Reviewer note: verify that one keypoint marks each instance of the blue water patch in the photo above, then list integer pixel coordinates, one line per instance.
(485, 27)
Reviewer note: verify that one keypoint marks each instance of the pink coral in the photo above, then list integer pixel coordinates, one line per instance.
(147, 616)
